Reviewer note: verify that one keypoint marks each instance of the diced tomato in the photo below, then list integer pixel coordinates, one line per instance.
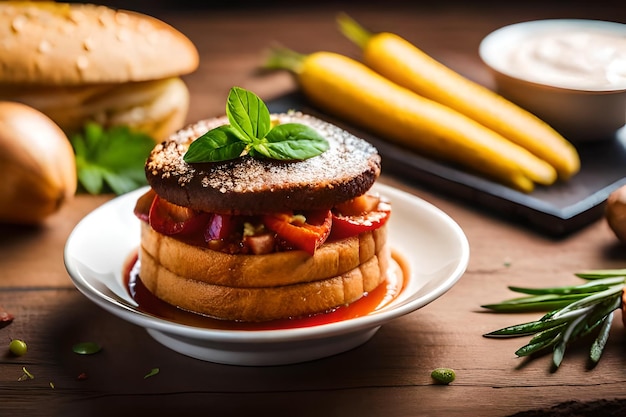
(365, 214)
(170, 219)
(143, 204)
(358, 206)
(260, 244)
(308, 235)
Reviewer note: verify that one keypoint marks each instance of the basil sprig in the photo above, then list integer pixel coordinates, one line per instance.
(250, 132)
(574, 312)
(110, 159)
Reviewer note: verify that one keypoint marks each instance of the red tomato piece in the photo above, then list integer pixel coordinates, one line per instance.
(306, 235)
(358, 206)
(170, 219)
(346, 225)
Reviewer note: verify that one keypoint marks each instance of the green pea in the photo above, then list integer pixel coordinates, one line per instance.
(443, 375)
(18, 347)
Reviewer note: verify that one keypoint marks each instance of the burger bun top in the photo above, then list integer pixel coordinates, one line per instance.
(69, 44)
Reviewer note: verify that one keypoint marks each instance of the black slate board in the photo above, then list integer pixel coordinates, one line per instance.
(557, 210)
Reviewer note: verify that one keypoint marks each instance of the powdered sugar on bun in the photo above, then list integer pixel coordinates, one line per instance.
(247, 185)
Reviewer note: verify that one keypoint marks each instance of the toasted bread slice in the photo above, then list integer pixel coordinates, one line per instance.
(278, 268)
(264, 303)
(247, 185)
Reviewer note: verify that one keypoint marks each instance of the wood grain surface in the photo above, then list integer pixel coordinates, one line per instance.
(389, 375)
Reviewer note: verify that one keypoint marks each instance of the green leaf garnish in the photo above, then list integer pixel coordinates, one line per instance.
(110, 160)
(248, 114)
(250, 132)
(86, 348)
(153, 372)
(219, 144)
(573, 313)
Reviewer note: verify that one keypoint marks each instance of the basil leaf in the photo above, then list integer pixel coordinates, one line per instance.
(219, 144)
(248, 113)
(293, 141)
(110, 160)
(250, 131)
(90, 177)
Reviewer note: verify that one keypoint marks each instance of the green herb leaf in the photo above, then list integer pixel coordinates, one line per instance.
(248, 114)
(86, 348)
(598, 344)
(251, 132)
(294, 141)
(219, 144)
(153, 372)
(575, 311)
(110, 160)
(602, 273)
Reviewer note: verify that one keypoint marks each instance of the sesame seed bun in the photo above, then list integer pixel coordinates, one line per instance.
(80, 63)
(48, 43)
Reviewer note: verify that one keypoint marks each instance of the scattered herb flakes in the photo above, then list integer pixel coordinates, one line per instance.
(111, 160)
(152, 372)
(86, 348)
(26, 375)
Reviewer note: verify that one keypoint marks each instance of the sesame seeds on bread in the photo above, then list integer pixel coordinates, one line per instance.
(64, 44)
(248, 185)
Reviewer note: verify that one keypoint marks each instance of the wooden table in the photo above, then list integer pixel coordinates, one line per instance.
(387, 376)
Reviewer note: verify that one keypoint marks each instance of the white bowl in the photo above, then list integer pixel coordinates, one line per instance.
(563, 72)
(431, 243)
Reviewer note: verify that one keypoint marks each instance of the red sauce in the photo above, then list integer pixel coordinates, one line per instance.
(369, 303)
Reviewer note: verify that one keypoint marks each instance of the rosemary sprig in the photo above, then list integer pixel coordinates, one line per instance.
(572, 313)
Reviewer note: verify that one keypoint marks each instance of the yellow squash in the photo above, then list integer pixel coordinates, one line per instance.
(403, 63)
(346, 88)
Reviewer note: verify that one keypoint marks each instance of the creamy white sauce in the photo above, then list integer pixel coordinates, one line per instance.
(571, 58)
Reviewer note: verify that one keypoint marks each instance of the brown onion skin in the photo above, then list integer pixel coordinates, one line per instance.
(615, 212)
(37, 165)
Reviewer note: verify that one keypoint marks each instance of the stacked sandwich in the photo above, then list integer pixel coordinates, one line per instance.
(254, 238)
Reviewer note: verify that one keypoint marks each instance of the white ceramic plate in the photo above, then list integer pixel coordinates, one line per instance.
(434, 246)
